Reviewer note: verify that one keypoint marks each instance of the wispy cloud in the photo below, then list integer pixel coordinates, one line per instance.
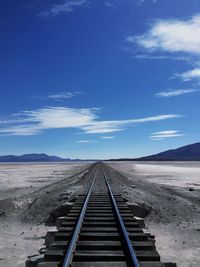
(188, 59)
(189, 75)
(85, 141)
(148, 56)
(108, 137)
(36, 121)
(165, 134)
(65, 7)
(170, 36)
(120, 125)
(143, 1)
(109, 4)
(63, 95)
(178, 92)
(69, 6)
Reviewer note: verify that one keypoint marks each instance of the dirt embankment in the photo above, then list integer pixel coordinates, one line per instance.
(56, 196)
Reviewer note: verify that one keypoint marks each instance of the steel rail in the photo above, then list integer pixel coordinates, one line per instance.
(72, 246)
(133, 261)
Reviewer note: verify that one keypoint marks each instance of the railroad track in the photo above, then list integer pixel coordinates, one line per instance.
(100, 230)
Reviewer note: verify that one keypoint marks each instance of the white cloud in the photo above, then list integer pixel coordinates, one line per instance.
(66, 7)
(69, 6)
(108, 137)
(148, 56)
(119, 125)
(168, 132)
(172, 93)
(109, 4)
(186, 59)
(189, 75)
(63, 95)
(155, 118)
(36, 121)
(85, 141)
(165, 134)
(171, 36)
(143, 1)
(103, 127)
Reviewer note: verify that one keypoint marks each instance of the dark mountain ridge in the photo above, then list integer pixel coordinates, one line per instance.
(37, 158)
(31, 158)
(188, 153)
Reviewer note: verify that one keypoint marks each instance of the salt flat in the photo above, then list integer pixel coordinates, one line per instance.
(21, 185)
(17, 179)
(181, 174)
(171, 191)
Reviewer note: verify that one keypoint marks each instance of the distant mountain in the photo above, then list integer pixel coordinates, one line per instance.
(189, 152)
(39, 158)
(31, 158)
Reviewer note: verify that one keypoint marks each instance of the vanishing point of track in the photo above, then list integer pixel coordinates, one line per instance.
(100, 230)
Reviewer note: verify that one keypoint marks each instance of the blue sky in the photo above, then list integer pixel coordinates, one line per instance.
(99, 78)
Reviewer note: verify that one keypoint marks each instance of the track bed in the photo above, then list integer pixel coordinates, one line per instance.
(100, 230)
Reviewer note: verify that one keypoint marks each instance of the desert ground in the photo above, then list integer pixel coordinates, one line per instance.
(21, 232)
(171, 192)
(168, 192)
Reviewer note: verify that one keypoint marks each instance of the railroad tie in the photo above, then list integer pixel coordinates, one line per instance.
(100, 230)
